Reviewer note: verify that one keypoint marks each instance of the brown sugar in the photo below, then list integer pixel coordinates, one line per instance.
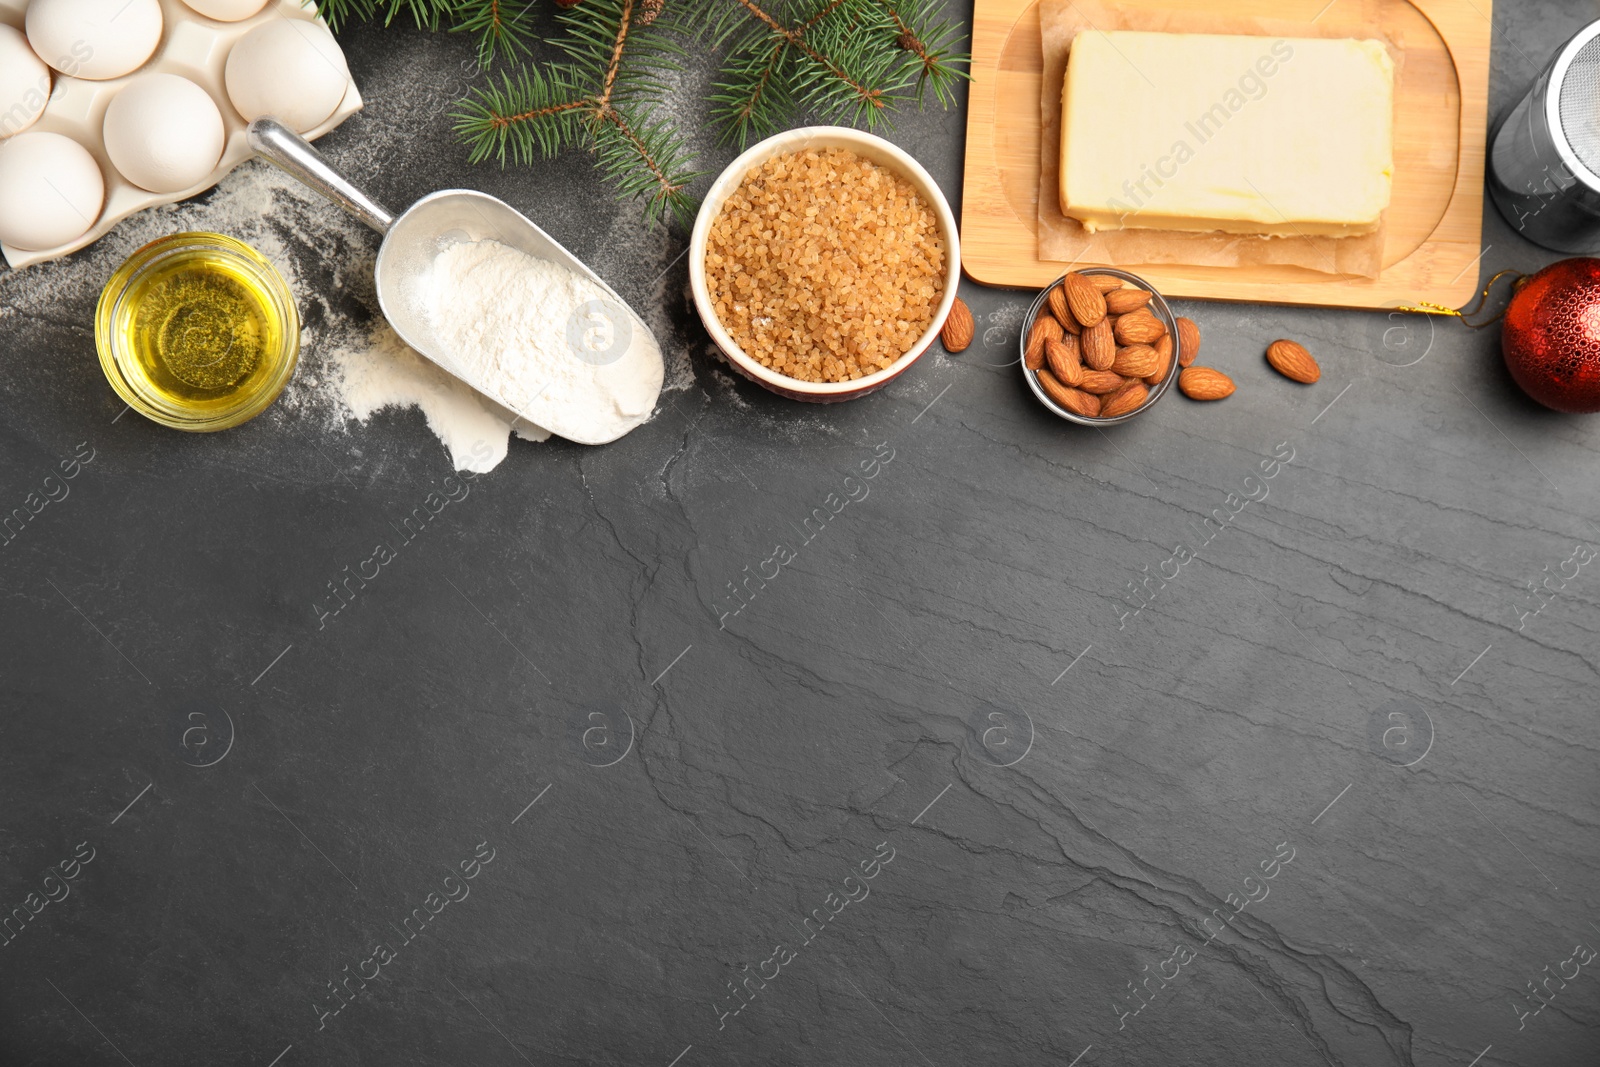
(824, 266)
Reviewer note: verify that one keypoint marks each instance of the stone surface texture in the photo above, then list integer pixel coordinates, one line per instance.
(928, 792)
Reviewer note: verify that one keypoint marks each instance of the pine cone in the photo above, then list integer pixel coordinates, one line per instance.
(906, 42)
(648, 11)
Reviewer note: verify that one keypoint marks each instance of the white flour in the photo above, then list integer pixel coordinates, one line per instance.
(553, 346)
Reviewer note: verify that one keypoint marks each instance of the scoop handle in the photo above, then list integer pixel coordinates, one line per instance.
(283, 148)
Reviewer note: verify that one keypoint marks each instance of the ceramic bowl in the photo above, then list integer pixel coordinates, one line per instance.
(868, 147)
(1158, 307)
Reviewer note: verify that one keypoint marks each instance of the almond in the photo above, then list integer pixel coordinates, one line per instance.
(1062, 358)
(1101, 382)
(1099, 347)
(1033, 355)
(1044, 329)
(1135, 361)
(1130, 397)
(1057, 301)
(1203, 383)
(1122, 301)
(1290, 359)
(1084, 300)
(1164, 347)
(1104, 282)
(1188, 341)
(1138, 328)
(1074, 400)
(1163, 361)
(958, 327)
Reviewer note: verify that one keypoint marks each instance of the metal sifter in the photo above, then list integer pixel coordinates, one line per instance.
(1544, 157)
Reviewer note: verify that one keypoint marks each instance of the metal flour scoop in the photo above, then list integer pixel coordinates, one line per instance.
(412, 240)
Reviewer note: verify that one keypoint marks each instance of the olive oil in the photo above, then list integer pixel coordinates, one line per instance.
(198, 331)
(201, 330)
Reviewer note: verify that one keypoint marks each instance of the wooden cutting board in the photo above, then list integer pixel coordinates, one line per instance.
(1434, 230)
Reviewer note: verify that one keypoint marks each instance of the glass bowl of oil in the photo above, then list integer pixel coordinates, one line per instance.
(197, 331)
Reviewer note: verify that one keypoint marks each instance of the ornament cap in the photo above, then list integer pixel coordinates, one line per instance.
(1483, 298)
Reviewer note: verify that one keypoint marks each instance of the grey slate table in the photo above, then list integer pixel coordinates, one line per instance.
(539, 795)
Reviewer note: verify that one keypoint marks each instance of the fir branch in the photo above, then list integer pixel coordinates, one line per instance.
(427, 14)
(827, 10)
(823, 64)
(337, 13)
(609, 40)
(535, 114)
(924, 33)
(846, 71)
(848, 60)
(504, 27)
(610, 80)
(649, 161)
(754, 96)
(540, 112)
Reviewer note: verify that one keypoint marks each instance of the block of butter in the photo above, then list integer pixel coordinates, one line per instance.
(1206, 132)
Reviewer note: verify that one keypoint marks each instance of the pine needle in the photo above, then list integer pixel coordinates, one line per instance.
(504, 27)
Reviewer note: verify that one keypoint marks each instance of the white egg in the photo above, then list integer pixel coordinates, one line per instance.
(94, 39)
(163, 132)
(51, 190)
(290, 69)
(227, 10)
(24, 83)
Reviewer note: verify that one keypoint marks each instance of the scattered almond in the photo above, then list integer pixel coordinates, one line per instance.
(1188, 341)
(958, 327)
(1138, 328)
(1130, 397)
(1101, 382)
(1122, 301)
(1085, 302)
(1290, 359)
(1135, 361)
(1062, 358)
(1204, 383)
(1099, 346)
(1074, 400)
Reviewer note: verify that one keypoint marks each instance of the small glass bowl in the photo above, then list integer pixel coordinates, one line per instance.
(1158, 307)
(121, 363)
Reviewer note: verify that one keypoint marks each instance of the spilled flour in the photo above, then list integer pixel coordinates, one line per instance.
(352, 364)
(383, 372)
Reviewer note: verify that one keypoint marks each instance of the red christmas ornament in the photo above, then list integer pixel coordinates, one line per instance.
(1551, 336)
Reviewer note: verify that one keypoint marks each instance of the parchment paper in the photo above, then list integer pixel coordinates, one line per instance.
(1065, 240)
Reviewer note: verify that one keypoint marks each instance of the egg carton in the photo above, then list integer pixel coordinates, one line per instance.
(192, 46)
